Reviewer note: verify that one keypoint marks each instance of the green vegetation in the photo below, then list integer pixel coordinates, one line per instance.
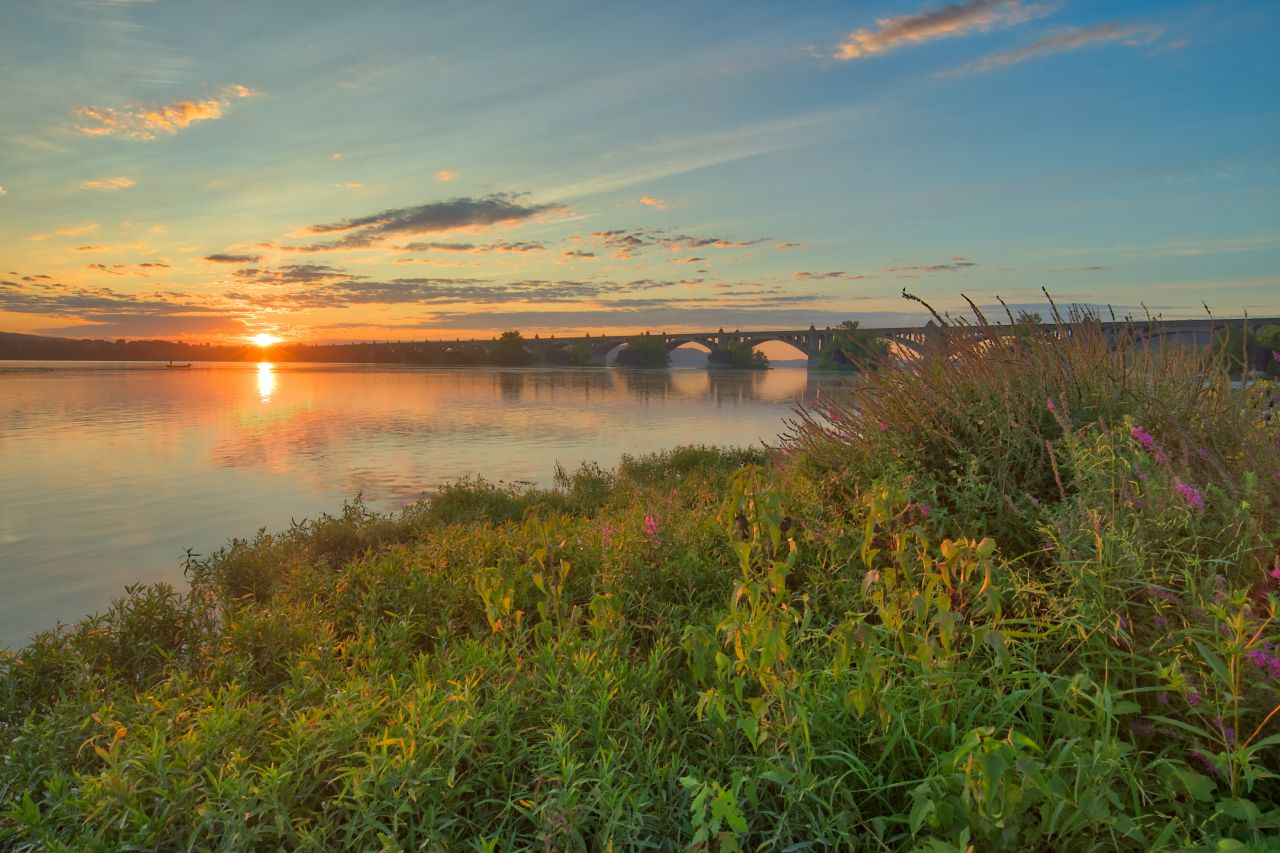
(853, 348)
(646, 351)
(738, 355)
(1018, 595)
(509, 351)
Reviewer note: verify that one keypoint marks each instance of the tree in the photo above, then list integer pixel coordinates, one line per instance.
(645, 351)
(738, 355)
(853, 347)
(509, 351)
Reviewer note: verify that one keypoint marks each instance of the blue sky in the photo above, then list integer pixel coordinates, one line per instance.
(331, 171)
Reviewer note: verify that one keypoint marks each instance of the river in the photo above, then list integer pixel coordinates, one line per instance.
(110, 471)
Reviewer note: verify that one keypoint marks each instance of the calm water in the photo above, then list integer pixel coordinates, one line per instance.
(109, 471)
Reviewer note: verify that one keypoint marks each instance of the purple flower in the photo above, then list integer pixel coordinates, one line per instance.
(650, 525)
(607, 532)
(924, 509)
(1204, 761)
(1263, 659)
(1193, 698)
(1144, 438)
(1162, 698)
(1275, 355)
(1142, 727)
(1228, 733)
(1190, 494)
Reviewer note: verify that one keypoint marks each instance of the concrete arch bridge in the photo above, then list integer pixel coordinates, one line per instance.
(903, 341)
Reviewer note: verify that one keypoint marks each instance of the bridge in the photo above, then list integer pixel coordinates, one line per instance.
(813, 342)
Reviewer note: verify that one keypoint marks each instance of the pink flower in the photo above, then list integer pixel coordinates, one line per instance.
(1190, 494)
(1048, 404)
(650, 525)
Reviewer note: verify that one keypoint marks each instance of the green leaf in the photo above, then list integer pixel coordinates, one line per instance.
(1216, 664)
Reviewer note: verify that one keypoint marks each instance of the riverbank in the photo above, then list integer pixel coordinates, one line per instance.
(1020, 600)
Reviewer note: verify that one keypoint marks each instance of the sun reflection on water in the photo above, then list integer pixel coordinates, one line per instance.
(266, 381)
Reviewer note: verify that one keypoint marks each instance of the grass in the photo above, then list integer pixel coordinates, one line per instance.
(1017, 595)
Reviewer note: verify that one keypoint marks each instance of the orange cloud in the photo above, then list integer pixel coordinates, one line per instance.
(445, 175)
(74, 231)
(117, 183)
(143, 122)
(653, 202)
(953, 19)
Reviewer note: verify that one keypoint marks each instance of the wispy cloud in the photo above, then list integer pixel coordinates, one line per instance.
(146, 122)
(71, 231)
(53, 299)
(653, 202)
(456, 214)
(955, 263)
(119, 182)
(827, 276)
(233, 259)
(949, 21)
(2, 192)
(1134, 35)
(294, 274)
(350, 185)
(501, 247)
(627, 241)
(445, 175)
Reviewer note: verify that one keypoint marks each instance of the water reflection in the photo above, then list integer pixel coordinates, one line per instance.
(266, 381)
(146, 463)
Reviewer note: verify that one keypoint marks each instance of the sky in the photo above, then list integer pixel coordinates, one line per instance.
(326, 171)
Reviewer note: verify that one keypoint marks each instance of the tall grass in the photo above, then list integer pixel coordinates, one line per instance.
(1019, 594)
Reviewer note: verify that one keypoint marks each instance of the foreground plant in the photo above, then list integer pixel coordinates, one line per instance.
(1020, 595)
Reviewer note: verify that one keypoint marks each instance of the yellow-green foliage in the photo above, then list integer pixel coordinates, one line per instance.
(947, 616)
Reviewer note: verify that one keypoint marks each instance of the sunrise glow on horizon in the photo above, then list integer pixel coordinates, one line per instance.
(453, 172)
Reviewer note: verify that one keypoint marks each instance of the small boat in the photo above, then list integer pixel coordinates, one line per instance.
(172, 366)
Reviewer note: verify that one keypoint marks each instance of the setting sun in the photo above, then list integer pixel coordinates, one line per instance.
(264, 340)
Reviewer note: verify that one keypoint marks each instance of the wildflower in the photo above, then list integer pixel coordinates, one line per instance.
(650, 525)
(1193, 698)
(1263, 659)
(1142, 727)
(1144, 438)
(1190, 494)
(1203, 760)
(1048, 404)
(1228, 733)
(924, 509)
(607, 532)
(1275, 573)
(883, 426)
(1162, 698)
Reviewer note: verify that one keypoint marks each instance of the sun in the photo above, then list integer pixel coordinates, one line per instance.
(262, 339)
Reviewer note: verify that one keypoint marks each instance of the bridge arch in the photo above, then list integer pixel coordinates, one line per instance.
(780, 349)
